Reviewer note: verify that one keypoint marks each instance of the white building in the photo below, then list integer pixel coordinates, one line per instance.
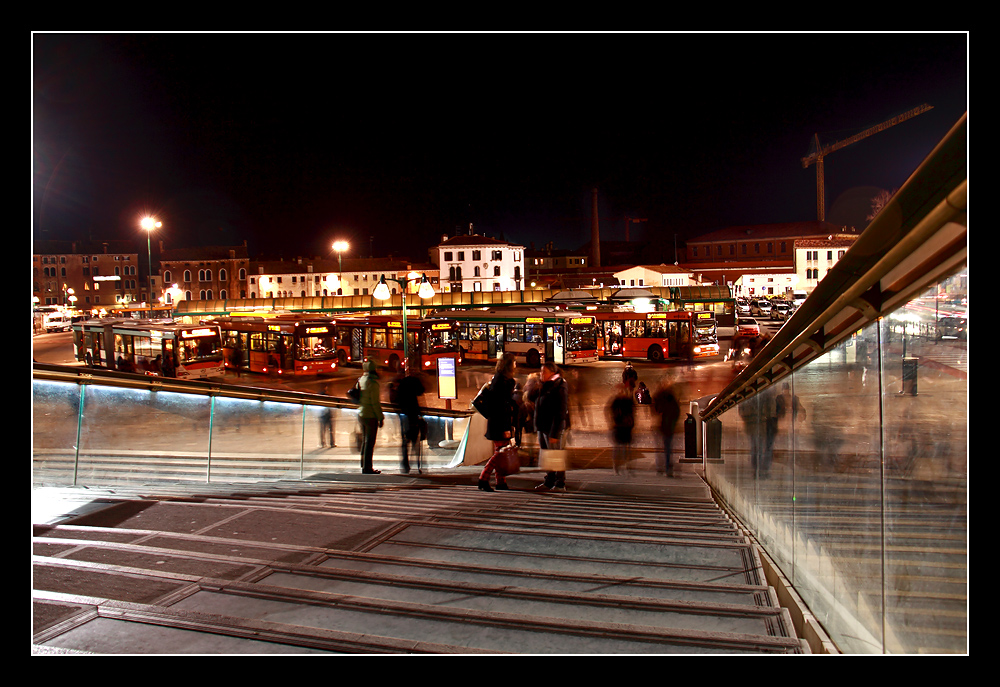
(318, 277)
(766, 284)
(815, 257)
(479, 263)
(655, 275)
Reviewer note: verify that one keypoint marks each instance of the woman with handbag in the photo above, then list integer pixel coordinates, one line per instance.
(551, 421)
(501, 414)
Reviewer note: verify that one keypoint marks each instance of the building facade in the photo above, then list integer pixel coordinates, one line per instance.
(655, 275)
(90, 275)
(316, 277)
(725, 256)
(204, 273)
(479, 263)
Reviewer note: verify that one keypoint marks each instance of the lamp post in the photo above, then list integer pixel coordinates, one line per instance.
(340, 247)
(148, 223)
(381, 292)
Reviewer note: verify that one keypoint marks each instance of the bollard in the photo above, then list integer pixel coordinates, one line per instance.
(713, 439)
(690, 437)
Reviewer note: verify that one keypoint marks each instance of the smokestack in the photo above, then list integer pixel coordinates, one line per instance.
(595, 236)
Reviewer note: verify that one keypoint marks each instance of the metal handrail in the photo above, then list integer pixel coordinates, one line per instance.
(917, 238)
(90, 375)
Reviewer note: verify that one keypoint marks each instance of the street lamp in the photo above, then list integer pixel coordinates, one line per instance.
(382, 293)
(148, 223)
(340, 247)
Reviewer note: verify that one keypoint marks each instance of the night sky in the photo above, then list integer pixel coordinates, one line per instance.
(290, 141)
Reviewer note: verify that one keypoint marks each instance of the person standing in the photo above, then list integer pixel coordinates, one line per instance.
(409, 390)
(369, 415)
(501, 415)
(551, 420)
(665, 403)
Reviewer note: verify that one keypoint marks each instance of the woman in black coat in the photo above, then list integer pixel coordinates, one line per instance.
(500, 419)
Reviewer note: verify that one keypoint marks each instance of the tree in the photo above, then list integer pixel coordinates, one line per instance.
(880, 200)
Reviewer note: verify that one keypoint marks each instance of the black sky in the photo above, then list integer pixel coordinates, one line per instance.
(292, 140)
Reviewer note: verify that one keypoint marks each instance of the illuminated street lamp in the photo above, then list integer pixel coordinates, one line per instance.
(382, 293)
(340, 247)
(148, 223)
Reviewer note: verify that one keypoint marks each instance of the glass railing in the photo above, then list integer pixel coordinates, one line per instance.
(102, 428)
(851, 473)
(843, 447)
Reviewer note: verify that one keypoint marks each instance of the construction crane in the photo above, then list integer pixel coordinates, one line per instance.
(821, 152)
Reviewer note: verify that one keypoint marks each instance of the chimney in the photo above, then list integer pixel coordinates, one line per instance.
(595, 236)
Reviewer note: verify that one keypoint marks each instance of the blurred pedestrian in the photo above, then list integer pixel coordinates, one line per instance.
(666, 404)
(760, 418)
(629, 377)
(621, 413)
(409, 391)
(501, 415)
(526, 412)
(325, 423)
(552, 420)
(370, 415)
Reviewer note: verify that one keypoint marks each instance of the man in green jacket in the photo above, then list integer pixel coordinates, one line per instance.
(369, 415)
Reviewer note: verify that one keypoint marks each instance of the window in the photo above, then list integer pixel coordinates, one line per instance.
(447, 255)
(187, 276)
(476, 255)
(496, 270)
(166, 276)
(461, 255)
(222, 275)
(243, 274)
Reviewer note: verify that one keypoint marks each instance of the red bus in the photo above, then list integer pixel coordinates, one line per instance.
(152, 348)
(380, 338)
(658, 336)
(281, 344)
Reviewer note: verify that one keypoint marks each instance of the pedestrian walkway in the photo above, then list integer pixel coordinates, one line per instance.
(391, 563)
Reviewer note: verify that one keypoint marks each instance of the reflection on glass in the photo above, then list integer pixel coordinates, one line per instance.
(851, 472)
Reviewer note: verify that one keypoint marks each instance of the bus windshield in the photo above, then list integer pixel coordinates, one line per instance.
(317, 347)
(581, 337)
(194, 348)
(440, 338)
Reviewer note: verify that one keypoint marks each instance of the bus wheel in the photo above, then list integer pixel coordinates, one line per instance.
(532, 358)
(393, 363)
(341, 358)
(655, 353)
(461, 355)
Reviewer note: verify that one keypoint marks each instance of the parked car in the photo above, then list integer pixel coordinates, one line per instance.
(761, 308)
(746, 326)
(742, 308)
(781, 311)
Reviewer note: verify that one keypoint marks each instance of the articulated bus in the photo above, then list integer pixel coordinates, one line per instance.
(534, 336)
(658, 335)
(280, 344)
(380, 338)
(147, 347)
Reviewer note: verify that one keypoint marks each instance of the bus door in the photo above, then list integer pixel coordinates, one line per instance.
(554, 344)
(357, 343)
(494, 341)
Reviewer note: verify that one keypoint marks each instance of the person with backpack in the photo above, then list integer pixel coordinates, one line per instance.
(501, 416)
